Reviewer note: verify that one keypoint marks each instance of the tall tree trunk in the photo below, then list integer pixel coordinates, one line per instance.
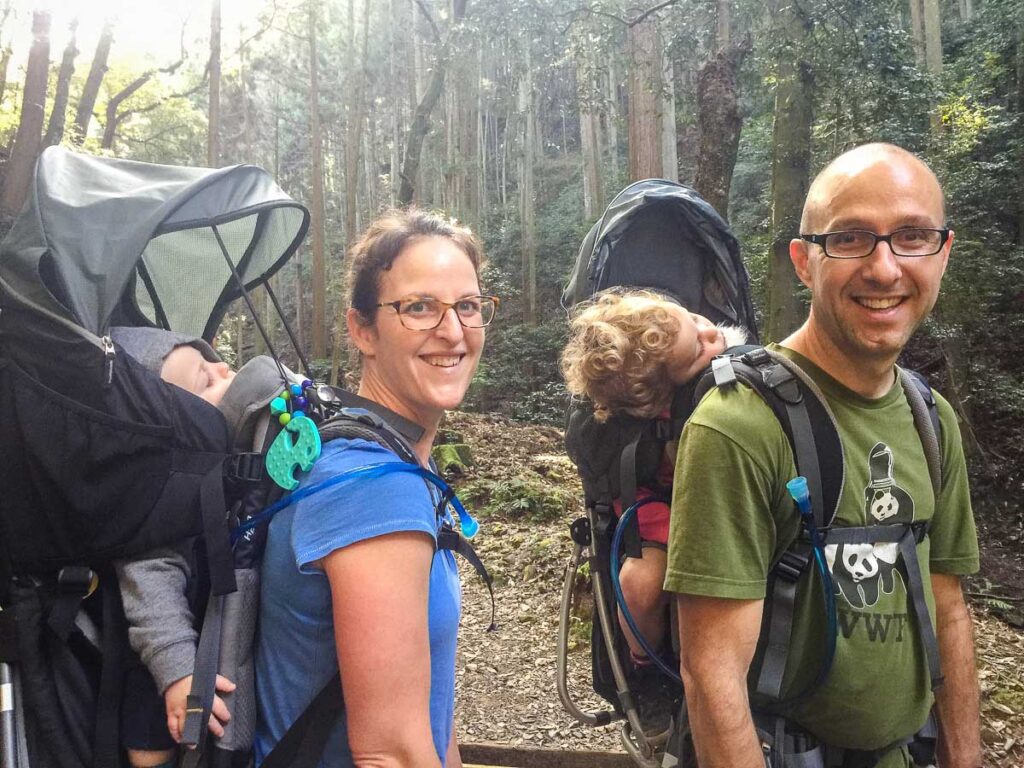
(723, 23)
(18, 173)
(421, 121)
(917, 32)
(933, 36)
(354, 132)
(319, 275)
(527, 101)
(612, 118)
(719, 120)
(5, 54)
(5, 63)
(645, 101)
(966, 8)
(669, 156)
(91, 89)
(1020, 129)
(213, 134)
(59, 111)
(590, 137)
(396, 102)
(791, 161)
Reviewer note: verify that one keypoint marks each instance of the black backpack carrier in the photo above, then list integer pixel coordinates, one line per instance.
(102, 459)
(661, 236)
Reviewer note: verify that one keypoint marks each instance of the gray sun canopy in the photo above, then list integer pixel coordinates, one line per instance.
(103, 241)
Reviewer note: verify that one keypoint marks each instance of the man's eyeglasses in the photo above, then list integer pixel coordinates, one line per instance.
(425, 314)
(859, 243)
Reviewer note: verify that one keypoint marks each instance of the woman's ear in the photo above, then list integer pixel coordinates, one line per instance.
(363, 335)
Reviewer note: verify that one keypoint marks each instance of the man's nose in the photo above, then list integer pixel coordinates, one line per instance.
(882, 265)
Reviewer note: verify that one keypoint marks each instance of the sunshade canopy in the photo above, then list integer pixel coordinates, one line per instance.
(662, 235)
(102, 240)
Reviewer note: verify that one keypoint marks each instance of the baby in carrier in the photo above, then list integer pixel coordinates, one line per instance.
(155, 587)
(627, 353)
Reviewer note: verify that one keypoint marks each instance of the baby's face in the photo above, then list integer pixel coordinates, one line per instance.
(698, 341)
(186, 367)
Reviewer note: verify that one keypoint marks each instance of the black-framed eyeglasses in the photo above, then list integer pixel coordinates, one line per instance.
(425, 314)
(909, 242)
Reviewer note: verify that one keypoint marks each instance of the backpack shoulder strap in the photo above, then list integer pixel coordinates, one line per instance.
(813, 435)
(926, 419)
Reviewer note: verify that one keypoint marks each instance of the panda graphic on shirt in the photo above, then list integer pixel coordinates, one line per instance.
(861, 572)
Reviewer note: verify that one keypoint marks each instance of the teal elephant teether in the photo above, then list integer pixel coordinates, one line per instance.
(285, 455)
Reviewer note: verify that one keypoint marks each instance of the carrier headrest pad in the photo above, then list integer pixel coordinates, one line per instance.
(151, 345)
(255, 385)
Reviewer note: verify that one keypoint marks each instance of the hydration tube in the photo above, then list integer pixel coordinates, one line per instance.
(616, 546)
(797, 488)
(467, 522)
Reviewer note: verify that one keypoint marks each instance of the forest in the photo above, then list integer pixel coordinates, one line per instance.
(523, 118)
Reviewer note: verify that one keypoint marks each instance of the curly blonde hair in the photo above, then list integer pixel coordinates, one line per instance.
(617, 352)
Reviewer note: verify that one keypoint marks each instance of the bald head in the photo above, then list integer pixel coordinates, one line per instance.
(829, 185)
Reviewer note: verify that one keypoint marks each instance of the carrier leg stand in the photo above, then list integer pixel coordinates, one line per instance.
(640, 748)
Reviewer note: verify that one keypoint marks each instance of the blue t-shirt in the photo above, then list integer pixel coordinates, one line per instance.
(295, 651)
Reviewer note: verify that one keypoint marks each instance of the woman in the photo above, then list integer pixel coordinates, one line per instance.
(351, 577)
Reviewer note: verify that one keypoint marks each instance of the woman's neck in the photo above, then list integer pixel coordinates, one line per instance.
(372, 388)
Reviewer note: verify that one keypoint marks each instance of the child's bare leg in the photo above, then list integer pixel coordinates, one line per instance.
(642, 579)
(150, 758)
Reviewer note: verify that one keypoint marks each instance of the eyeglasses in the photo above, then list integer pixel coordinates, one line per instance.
(425, 314)
(859, 243)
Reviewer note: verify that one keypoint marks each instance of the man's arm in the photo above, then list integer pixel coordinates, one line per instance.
(717, 638)
(959, 743)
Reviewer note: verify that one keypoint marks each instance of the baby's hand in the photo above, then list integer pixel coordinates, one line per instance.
(176, 701)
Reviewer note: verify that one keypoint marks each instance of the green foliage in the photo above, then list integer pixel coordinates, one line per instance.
(527, 496)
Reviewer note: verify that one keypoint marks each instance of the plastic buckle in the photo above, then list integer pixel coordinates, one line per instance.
(76, 580)
(756, 357)
(247, 467)
(363, 416)
(722, 370)
(791, 565)
(920, 530)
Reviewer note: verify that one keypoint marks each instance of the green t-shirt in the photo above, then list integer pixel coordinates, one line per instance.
(732, 517)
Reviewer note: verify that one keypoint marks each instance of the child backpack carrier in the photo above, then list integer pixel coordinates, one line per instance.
(661, 236)
(104, 460)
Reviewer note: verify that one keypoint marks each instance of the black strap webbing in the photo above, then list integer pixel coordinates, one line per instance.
(780, 605)
(216, 535)
(450, 539)
(906, 537)
(303, 744)
(107, 743)
(199, 703)
(627, 496)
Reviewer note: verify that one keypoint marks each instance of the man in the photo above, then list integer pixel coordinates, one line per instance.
(872, 251)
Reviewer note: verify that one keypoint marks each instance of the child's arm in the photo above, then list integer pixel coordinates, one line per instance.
(160, 625)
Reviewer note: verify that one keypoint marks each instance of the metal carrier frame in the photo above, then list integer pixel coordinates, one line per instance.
(644, 750)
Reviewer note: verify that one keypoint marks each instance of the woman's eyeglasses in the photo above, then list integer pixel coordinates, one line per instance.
(425, 314)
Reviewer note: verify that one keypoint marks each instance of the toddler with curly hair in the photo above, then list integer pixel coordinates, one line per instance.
(628, 351)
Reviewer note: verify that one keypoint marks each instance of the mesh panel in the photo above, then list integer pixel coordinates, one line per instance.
(188, 271)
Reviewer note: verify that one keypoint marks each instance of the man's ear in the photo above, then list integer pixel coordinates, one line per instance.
(363, 336)
(800, 257)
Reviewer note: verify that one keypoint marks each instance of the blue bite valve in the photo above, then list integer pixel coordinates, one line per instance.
(469, 525)
(797, 488)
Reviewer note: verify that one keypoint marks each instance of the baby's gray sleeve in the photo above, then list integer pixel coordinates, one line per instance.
(161, 628)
